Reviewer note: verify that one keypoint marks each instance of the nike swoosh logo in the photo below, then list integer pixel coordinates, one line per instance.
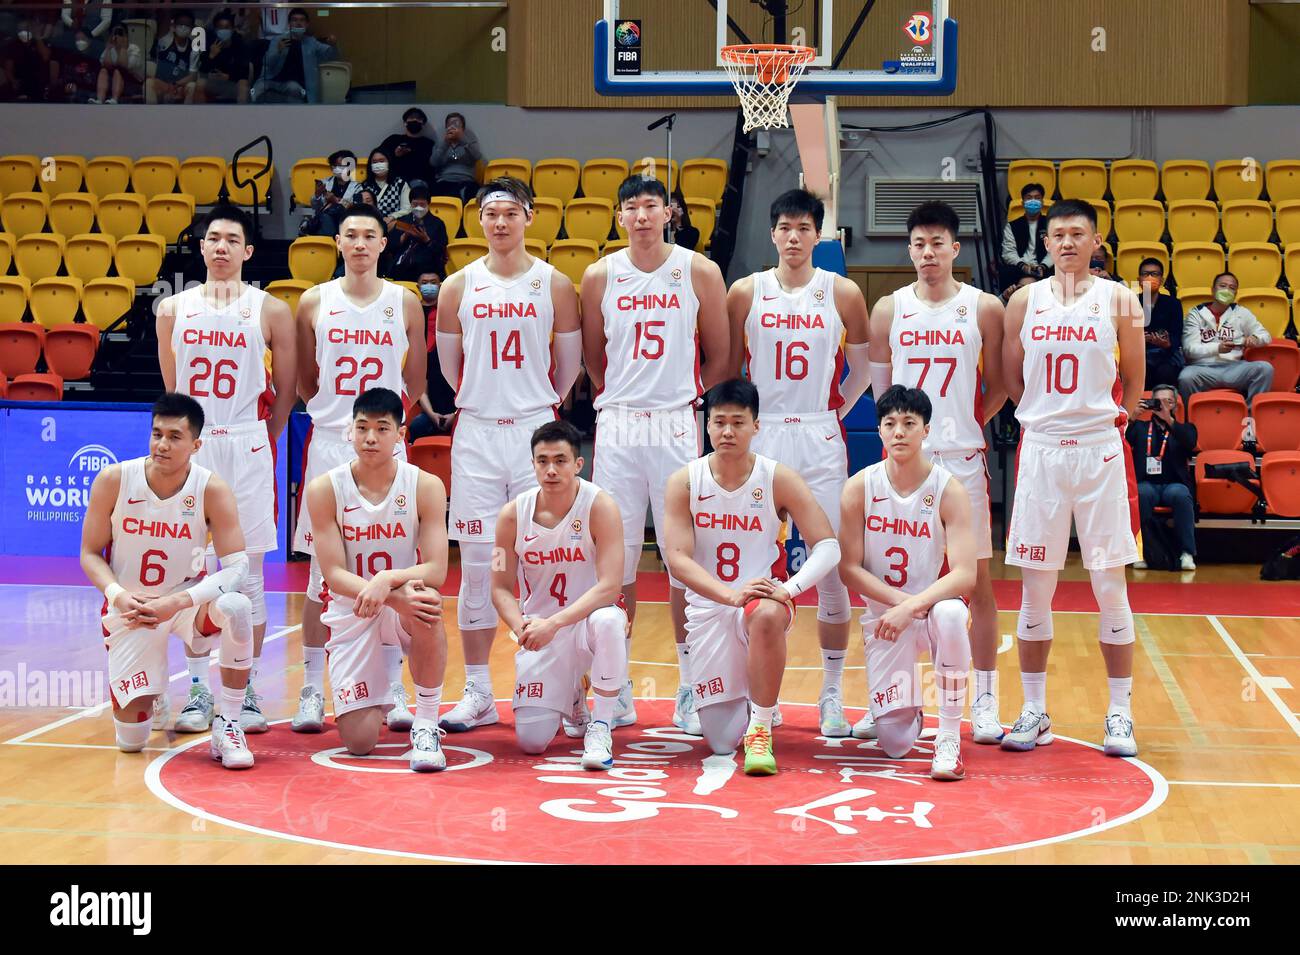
(339, 312)
(479, 288)
(705, 497)
(192, 314)
(972, 456)
(908, 314)
(132, 501)
(1039, 311)
(1120, 630)
(256, 449)
(527, 538)
(349, 510)
(624, 278)
(474, 619)
(681, 434)
(1030, 626)
(770, 298)
(877, 500)
(830, 437)
(1109, 459)
(245, 660)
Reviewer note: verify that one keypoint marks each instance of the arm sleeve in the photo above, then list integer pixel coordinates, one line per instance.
(854, 385)
(882, 376)
(823, 559)
(105, 20)
(450, 355)
(234, 568)
(568, 360)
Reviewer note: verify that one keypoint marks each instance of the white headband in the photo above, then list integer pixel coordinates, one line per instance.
(502, 196)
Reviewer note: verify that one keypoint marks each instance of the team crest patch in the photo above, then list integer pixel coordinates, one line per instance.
(188, 502)
(388, 311)
(1094, 308)
(577, 525)
(676, 274)
(757, 494)
(245, 313)
(400, 500)
(928, 500)
(961, 310)
(819, 295)
(536, 284)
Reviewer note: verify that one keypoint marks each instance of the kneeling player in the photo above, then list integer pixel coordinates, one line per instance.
(899, 519)
(380, 529)
(153, 516)
(725, 518)
(565, 537)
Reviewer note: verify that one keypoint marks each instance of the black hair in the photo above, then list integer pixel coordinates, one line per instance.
(737, 391)
(173, 404)
(935, 213)
(340, 154)
(380, 403)
(1221, 275)
(1151, 260)
(295, 12)
(796, 203)
(226, 14)
(638, 185)
(899, 399)
(516, 187)
(1069, 208)
(1165, 387)
(370, 156)
(228, 212)
(1032, 187)
(182, 13)
(420, 191)
(417, 113)
(361, 210)
(459, 116)
(558, 431)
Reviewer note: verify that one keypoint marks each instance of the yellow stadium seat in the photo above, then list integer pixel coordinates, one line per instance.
(618, 225)
(1193, 297)
(470, 220)
(1193, 220)
(548, 213)
(155, 175)
(613, 245)
(6, 252)
(660, 164)
(288, 291)
(255, 169)
(535, 248)
(1256, 264)
(335, 81)
(313, 258)
(703, 216)
(39, 255)
(1246, 220)
(105, 300)
(14, 291)
(572, 256)
(1195, 264)
(1185, 179)
(1282, 177)
(169, 216)
(201, 178)
(1133, 179)
(1269, 305)
(1017, 209)
(55, 301)
(412, 287)
(556, 178)
(704, 177)
(139, 257)
(1131, 254)
(108, 174)
(517, 168)
(1288, 221)
(1140, 220)
(121, 214)
(1238, 179)
(461, 252)
(363, 168)
(64, 174)
(1102, 208)
(1293, 265)
(89, 255)
(304, 176)
(602, 177)
(1021, 172)
(18, 173)
(24, 212)
(588, 219)
(73, 213)
(449, 209)
(1081, 179)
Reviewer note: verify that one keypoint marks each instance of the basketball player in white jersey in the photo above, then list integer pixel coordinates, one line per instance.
(945, 338)
(510, 344)
(726, 516)
(794, 325)
(153, 516)
(213, 344)
(1073, 400)
(381, 539)
(907, 547)
(354, 333)
(647, 310)
(562, 543)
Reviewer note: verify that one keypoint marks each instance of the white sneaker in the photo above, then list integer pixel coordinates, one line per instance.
(625, 713)
(685, 716)
(1031, 729)
(947, 764)
(229, 747)
(94, 101)
(251, 717)
(865, 728)
(833, 723)
(1139, 565)
(1186, 562)
(598, 747)
(310, 717)
(476, 708)
(575, 722)
(426, 747)
(162, 711)
(1119, 735)
(984, 722)
(196, 717)
(111, 101)
(399, 717)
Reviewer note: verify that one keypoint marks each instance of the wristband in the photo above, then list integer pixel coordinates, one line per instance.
(111, 592)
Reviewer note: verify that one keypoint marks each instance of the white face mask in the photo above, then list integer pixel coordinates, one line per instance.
(379, 167)
(419, 211)
(83, 45)
(25, 36)
(182, 31)
(340, 170)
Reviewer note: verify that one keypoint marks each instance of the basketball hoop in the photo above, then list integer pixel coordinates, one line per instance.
(764, 75)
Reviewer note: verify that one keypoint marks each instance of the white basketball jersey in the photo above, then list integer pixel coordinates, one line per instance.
(557, 565)
(377, 537)
(158, 546)
(794, 344)
(903, 539)
(221, 354)
(738, 535)
(1072, 384)
(357, 349)
(506, 339)
(652, 355)
(937, 349)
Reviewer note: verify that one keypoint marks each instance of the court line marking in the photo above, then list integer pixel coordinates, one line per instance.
(1173, 691)
(1264, 683)
(1205, 782)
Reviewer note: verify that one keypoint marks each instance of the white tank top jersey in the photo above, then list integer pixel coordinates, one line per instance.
(557, 565)
(794, 344)
(902, 537)
(1072, 384)
(221, 354)
(506, 332)
(357, 349)
(738, 535)
(158, 545)
(652, 355)
(381, 536)
(937, 349)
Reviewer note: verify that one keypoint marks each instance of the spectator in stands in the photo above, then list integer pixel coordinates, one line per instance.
(410, 151)
(291, 66)
(439, 399)
(122, 69)
(1161, 448)
(1164, 326)
(24, 60)
(176, 64)
(455, 160)
(74, 71)
(418, 241)
(333, 195)
(1215, 337)
(94, 18)
(1015, 286)
(224, 67)
(392, 193)
(1097, 265)
(679, 230)
(1023, 251)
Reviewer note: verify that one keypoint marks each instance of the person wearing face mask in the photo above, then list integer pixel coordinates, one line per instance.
(418, 240)
(333, 194)
(1164, 325)
(455, 160)
(290, 68)
(1023, 249)
(224, 66)
(1215, 337)
(122, 68)
(408, 152)
(439, 399)
(391, 192)
(23, 60)
(73, 72)
(176, 64)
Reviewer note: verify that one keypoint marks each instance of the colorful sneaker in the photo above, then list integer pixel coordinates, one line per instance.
(162, 711)
(984, 723)
(229, 747)
(196, 717)
(476, 708)
(947, 764)
(598, 747)
(399, 717)
(1031, 729)
(250, 714)
(1119, 735)
(310, 717)
(833, 723)
(865, 728)
(760, 760)
(625, 715)
(426, 747)
(685, 717)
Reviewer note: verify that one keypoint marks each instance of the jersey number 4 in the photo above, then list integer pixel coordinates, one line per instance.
(369, 369)
(511, 353)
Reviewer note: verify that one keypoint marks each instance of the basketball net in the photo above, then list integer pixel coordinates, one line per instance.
(764, 75)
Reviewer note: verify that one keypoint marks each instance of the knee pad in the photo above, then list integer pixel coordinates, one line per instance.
(896, 731)
(474, 610)
(131, 737)
(950, 631)
(1035, 620)
(1111, 590)
(315, 582)
(254, 589)
(631, 558)
(233, 613)
(724, 724)
(833, 600)
(607, 630)
(535, 727)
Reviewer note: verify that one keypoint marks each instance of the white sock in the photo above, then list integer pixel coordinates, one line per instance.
(761, 715)
(232, 701)
(605, 707)
(393, 663)
(952, 700)
(1035, 685)
(313, 666)
(480, 674)
(833, 671)
(1121, 695)
(199, 669)
(252, 671)
(986, 681)
(427, 701)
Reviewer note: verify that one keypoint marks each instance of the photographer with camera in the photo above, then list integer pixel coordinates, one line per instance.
(1161, 447)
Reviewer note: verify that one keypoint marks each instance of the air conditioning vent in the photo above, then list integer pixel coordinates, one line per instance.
(891, 201)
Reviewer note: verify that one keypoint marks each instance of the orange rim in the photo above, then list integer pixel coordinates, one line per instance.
(771, 61)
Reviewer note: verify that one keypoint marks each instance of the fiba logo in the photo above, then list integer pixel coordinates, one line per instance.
(536, 284)
(928, 500)
(577, 525)
(245, 313)
(388, 311)
(400, 500)
(961, 310)
(918, 28)
(627, 33)
(69, 491)
(758, 494)
(819, 295)
(188, 502)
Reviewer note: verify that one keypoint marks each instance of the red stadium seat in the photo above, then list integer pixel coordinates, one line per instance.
(1280, 475)
(434, 456)
(36, 388)
(1277, 421)
(1219, 415)
(70, 350)
(4, 387)
(20, 347)
(1218, 495)
(1284, 355)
